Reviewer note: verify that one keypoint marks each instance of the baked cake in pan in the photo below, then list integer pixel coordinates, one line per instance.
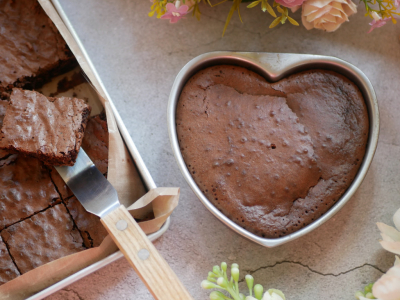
(272, 157)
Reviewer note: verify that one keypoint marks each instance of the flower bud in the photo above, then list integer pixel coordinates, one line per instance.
(211, 274)
(205, 284)
(258, 291)
(221, 281)
(368, 288)
(216, 270)
(250, 282)
(224, 266)
(235, 274)
(234, 265)
(215, 295)
(358, 295)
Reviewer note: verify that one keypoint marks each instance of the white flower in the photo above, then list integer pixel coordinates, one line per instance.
(271, 294)
(327, 15)
(375, 16)
(390, 235)
(388, 286)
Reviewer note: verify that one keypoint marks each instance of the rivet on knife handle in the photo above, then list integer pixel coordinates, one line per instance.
(155, 272)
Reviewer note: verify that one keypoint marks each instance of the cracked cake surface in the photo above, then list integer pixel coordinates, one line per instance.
(273, 157)
(8, 270)
(25, 188)
(44, 237)
(93, 232)
(50, 129)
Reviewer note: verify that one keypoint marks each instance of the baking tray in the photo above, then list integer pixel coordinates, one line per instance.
(273, 67)
(143, 171)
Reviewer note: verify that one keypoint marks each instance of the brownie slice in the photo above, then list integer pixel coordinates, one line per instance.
(32, 51)
(44, 237)
(95, 142)
(8, 270)
(93, 232)
(50, 129)
(25, 189)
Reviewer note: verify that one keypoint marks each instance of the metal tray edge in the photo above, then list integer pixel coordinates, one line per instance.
(144, 172)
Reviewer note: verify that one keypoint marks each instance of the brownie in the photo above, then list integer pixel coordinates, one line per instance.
(50, 129)
(8, 270)
(60, 185)
(92, 231)
(25, 188)
(44, 237)
(32, 50)
(3, 108)
(273, 157)
(95, 142)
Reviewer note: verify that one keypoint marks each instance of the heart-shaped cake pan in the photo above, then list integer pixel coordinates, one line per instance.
(273, 67)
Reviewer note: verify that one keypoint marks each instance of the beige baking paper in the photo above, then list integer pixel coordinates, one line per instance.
(122, 173)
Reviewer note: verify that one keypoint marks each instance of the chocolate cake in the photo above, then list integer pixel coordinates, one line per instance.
(50, 129)
(8, 270)
(273, 157)
(44, 237)
(95, 142)
(93, 232)
(32, 50)
(25, 189)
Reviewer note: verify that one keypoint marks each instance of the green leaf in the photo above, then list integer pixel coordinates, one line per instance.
(280, 9)
(253, 4)
(270, 10)
(292, 21)
(284, 18)
(275, 22)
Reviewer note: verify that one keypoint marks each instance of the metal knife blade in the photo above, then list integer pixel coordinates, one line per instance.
(90, 187)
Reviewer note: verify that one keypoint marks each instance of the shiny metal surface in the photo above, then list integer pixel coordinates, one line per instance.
(273, 67)
(139, 163)
(90, 187)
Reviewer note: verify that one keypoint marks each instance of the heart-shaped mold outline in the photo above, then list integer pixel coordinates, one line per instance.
(273, 67)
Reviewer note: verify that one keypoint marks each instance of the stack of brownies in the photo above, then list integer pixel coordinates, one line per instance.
(40, 219)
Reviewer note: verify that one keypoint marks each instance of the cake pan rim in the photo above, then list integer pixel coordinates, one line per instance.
(280, 65)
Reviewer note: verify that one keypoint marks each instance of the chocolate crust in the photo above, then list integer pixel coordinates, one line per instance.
(272, 157)
(95, 142)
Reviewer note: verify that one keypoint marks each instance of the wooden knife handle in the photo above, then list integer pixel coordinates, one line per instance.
(155, 272)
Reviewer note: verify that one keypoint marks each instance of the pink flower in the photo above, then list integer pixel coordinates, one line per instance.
(292, 3)
(377, 23)
(175, 13)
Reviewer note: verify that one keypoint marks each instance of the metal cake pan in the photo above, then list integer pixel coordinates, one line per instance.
(142, 169)
(273, 67)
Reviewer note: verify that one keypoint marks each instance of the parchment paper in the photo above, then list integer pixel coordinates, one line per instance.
(122, 173)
